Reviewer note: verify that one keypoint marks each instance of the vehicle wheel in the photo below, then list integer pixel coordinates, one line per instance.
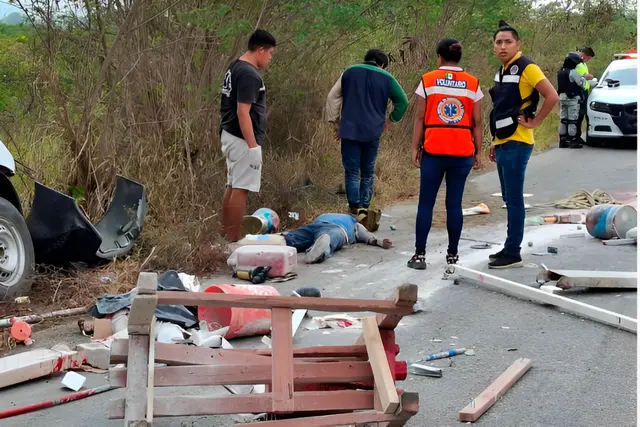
(16, 253)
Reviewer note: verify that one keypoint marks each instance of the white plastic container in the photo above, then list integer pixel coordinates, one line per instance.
(263, 240)
(281, 259)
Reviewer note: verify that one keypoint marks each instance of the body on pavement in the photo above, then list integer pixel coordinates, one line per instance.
(446, 143)
(328, 233)
(243, 126)
(357, 106)
(515, 96)
(570, 90)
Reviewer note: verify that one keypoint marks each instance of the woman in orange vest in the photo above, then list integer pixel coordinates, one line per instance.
(447, 140)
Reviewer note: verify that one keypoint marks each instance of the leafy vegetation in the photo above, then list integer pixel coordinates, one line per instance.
(93, 88)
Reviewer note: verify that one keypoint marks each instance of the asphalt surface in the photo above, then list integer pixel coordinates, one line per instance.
(583, 374)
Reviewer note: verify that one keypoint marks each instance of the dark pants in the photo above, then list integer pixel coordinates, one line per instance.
(512, 159)
(455, 171)
(304, 237)
(583, 113)
(359, 161)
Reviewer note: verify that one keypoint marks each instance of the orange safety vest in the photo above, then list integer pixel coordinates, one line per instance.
(448, 118)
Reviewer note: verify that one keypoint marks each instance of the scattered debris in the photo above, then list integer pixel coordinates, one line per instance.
(481, 246)
(530, 244)
(445, 354)
(480, 209)
(334, 321)
(478, 406)
(610, 221)
(425, 371)
(294, 216)
(38, 363)
(73, 381)
(512, 349)
(454, 337)
(540, 254)
(36, 318)
(571, 235)
(567, 279)
(525, 195)
(552, 250)
(470, 352)
(505, 327)
(362, 265)
(22, 300)
(332, 271)
(53, 402)
(436, 340)
(308, 292)
(526, 206)
(554, 219)
(620, 242)
(523, 291)
(21, 331)
(392, 228)
(478, 241)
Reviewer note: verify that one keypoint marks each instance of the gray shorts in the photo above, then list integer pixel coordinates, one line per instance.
(244, 164)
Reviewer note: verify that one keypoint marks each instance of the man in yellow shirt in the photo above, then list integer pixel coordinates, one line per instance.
(515, 96)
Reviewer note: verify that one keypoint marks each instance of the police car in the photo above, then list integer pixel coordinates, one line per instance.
(612, 106)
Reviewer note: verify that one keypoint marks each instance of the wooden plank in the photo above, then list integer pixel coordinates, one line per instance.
(151, 364)
(269, 301)
(495, 391)
(282, 360)
(523, 291)
(354, 351)
(183, 406)
(173, 354)
(409, 406)
(384, 383)
(147, 283)
(358, 418)
(303, 373)
(144, 304)
(29, 365)
(404, 296)
(137, 372)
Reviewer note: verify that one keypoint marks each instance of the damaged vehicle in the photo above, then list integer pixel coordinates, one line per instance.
(56, 231)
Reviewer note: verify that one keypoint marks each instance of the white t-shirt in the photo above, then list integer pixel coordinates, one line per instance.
(420, 89)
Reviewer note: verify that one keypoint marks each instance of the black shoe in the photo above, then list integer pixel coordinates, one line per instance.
(563, 143)
(506, 261)
(575, 145)
(452, 258)
(417, 262)
(497, 255)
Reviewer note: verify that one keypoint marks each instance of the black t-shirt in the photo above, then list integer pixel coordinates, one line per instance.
(243, 83)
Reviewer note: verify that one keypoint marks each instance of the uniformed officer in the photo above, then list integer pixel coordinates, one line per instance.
(446, 143)
(570, 85)
(515, 95)
(586, 54)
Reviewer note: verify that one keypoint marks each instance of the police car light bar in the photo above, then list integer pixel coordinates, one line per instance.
(625, 56)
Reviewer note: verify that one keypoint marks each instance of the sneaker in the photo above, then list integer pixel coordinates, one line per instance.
(497, 255)
(318, 252)
(506, 262)
(452, 258)
(417, 262)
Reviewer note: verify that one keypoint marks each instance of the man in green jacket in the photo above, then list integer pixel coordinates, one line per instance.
(357, 105)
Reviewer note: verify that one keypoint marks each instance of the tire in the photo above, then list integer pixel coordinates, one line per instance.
(15, 244)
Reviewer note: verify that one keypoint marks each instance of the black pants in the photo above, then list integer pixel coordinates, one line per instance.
(581, 116)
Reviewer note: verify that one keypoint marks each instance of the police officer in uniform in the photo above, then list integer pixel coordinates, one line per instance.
(446, 144)
(515, 95)
(570, 85)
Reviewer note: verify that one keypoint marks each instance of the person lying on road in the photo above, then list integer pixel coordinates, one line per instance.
(328, 233)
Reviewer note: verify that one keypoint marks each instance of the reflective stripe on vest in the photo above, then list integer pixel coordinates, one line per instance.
(448, 119)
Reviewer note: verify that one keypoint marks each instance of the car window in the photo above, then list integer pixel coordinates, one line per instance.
(626, 76)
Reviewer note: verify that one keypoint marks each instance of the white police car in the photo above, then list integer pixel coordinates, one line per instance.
(612, 107)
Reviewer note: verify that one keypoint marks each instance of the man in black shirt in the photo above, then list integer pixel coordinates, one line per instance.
(243, 123)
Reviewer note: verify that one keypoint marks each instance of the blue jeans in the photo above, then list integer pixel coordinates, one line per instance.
(359, 161)
(433, 169)
(303, 238)
(512, 158)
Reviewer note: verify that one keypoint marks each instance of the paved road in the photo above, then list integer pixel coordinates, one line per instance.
(584, 372)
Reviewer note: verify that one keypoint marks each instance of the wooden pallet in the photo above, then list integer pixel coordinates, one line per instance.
(314, 387)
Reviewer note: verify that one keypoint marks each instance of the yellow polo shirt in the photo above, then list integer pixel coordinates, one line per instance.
(531, 76)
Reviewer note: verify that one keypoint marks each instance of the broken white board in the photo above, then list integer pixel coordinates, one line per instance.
(525, 195)
(526, 206)
(38, 363)
(523, 291)
(567, 279)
